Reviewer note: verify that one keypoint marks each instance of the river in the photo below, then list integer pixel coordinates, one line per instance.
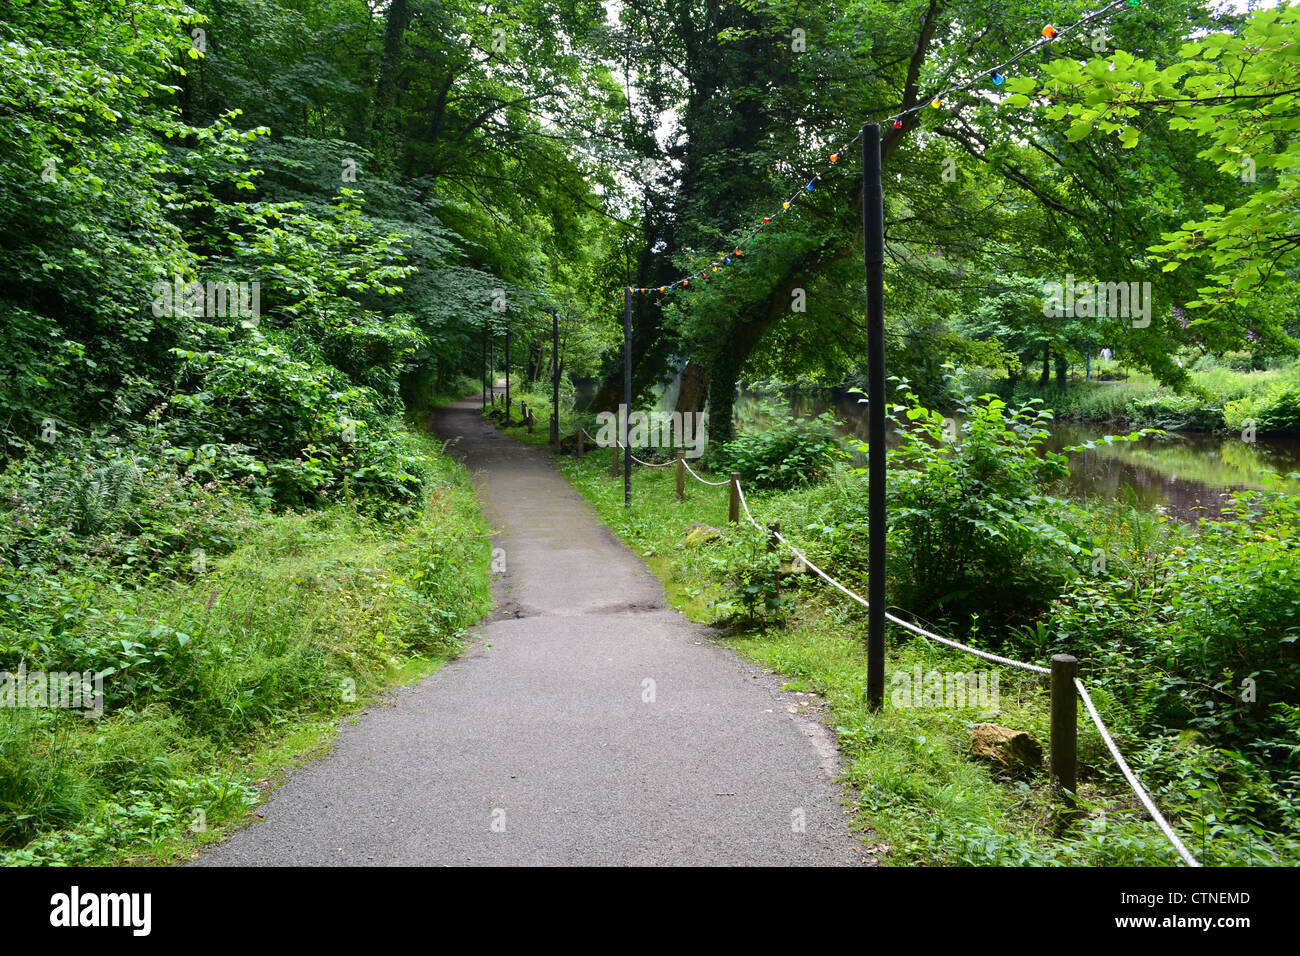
(1188, 474)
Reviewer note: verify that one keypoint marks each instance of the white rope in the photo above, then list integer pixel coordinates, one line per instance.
(744, 505)
(1035, 668)
(1132, 780)
(619, 444)
(652, 464)
(716, 484)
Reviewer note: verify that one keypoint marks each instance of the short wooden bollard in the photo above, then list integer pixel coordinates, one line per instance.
(523, 412)
(773, 529)
(582, 433)
(681, 476)
(733, 506)
(529, 417)
(1065, 724)
(614, 469)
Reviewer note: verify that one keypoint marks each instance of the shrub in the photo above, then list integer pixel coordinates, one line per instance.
(787, 452)
(972, 529)
(752, 578)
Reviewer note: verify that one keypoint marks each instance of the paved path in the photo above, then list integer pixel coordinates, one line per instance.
(538, 745)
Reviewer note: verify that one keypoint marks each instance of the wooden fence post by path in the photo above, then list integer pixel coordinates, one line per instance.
(613, 464)
(773, 529)
(681, 475)
(1065, 725)
(523, 412)
(582, 433)
(733, 506)
(531, 418)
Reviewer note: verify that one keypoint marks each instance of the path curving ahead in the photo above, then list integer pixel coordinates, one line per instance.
(539, 746)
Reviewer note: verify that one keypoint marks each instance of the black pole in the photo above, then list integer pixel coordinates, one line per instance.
(873, 231)
(485, 368)
(507, 375)
(627, 394)
(492, 370)
(555, 382)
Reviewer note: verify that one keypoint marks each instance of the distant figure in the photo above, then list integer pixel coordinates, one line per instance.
(1105, 354)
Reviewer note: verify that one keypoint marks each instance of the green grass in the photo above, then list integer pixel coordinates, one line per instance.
(920, 800)
(1217, 400)
(234, 675)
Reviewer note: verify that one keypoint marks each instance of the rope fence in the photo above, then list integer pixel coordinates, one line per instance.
(1064, 724)
(1063, 671)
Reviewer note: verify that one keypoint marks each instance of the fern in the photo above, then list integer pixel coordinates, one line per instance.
(98, 499)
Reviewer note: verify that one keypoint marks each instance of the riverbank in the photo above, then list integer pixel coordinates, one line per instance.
(1217, 400)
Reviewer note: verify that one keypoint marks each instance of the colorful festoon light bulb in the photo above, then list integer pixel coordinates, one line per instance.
(898, 124)
(785, 205)
(767, 218)
(1049, 31)
(998, 79)
(936, 102)
(835, 157)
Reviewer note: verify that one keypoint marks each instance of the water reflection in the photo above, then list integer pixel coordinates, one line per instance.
(1188, 474)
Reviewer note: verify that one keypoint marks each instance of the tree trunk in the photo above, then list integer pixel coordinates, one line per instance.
(1062, 368)
(1047, 365)
(399, 16)
(694, 391)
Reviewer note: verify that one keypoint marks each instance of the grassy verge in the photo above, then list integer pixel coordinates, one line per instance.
(920, 798)
(223, 680)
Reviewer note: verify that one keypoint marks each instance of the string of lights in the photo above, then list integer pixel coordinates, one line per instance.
(996, 74)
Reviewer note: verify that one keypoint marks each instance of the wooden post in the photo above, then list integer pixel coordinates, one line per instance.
(530, 416)
(507, 375)
(613, 465)
(733, 506)
(773, 529)
(582, 433)
(681, 475)
(1065, 725)
(523, 412)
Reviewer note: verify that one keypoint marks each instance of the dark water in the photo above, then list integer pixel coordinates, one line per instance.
(1186, 473)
